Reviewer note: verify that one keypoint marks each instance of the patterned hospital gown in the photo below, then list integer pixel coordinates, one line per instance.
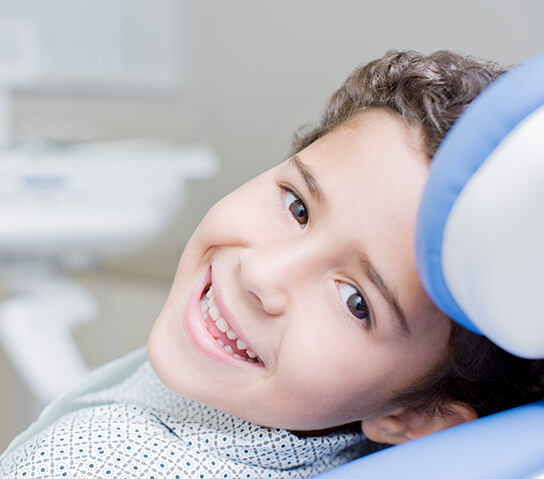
(140, 429)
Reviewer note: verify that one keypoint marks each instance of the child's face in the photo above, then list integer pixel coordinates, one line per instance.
(296, 275)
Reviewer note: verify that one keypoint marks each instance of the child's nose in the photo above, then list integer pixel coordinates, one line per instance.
(259, 279)
(267, 278)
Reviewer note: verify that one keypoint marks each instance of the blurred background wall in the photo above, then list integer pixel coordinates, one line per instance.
(252, 72)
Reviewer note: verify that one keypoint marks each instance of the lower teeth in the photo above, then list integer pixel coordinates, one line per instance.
(229, 350)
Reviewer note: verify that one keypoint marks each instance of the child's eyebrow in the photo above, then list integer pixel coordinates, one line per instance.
(386, 292)
(312, 184)
(368, 268)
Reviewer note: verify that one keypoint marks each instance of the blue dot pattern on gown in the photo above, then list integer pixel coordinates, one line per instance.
(140, 429)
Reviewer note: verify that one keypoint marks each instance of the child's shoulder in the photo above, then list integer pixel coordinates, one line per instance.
(125, 420)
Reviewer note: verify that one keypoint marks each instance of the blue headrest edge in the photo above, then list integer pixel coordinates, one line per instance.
(479, 130)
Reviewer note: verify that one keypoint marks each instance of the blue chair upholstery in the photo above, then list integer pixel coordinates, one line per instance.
(480, 255)
(507, 445)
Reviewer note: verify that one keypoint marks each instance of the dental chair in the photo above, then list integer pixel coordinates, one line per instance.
(480, 254)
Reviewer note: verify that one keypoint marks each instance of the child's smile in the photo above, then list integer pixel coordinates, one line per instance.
(223, 332)
(214, 329)
(315, 315)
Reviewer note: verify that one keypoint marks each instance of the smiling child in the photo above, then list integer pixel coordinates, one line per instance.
(311, 266)
(296, 312)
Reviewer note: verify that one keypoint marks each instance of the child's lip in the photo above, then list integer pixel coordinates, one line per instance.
(227, 314)
(199, 334)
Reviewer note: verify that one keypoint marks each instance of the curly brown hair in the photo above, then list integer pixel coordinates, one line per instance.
(430, 92)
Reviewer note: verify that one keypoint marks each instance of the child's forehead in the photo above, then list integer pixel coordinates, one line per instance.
(376, 149)
(372, 134)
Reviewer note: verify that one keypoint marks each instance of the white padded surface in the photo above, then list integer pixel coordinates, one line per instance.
(493, 247)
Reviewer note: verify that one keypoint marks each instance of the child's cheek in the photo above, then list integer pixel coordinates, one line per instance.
(240, 218)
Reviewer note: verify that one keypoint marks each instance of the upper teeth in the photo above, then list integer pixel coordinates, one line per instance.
(209, 308)
(221, 324)
(214, 312)
(231, 334)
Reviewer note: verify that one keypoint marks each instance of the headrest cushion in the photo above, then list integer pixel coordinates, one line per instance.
(480, 230)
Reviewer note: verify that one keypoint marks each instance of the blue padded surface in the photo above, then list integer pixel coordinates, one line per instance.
(485, 123)
(506, 445)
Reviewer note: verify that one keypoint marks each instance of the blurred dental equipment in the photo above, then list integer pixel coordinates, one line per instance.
(65, 208)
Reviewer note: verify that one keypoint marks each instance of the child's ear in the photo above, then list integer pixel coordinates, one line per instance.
(404, 424)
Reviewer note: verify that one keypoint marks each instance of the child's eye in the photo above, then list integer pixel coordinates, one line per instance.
(354, 301)
(295, 205)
